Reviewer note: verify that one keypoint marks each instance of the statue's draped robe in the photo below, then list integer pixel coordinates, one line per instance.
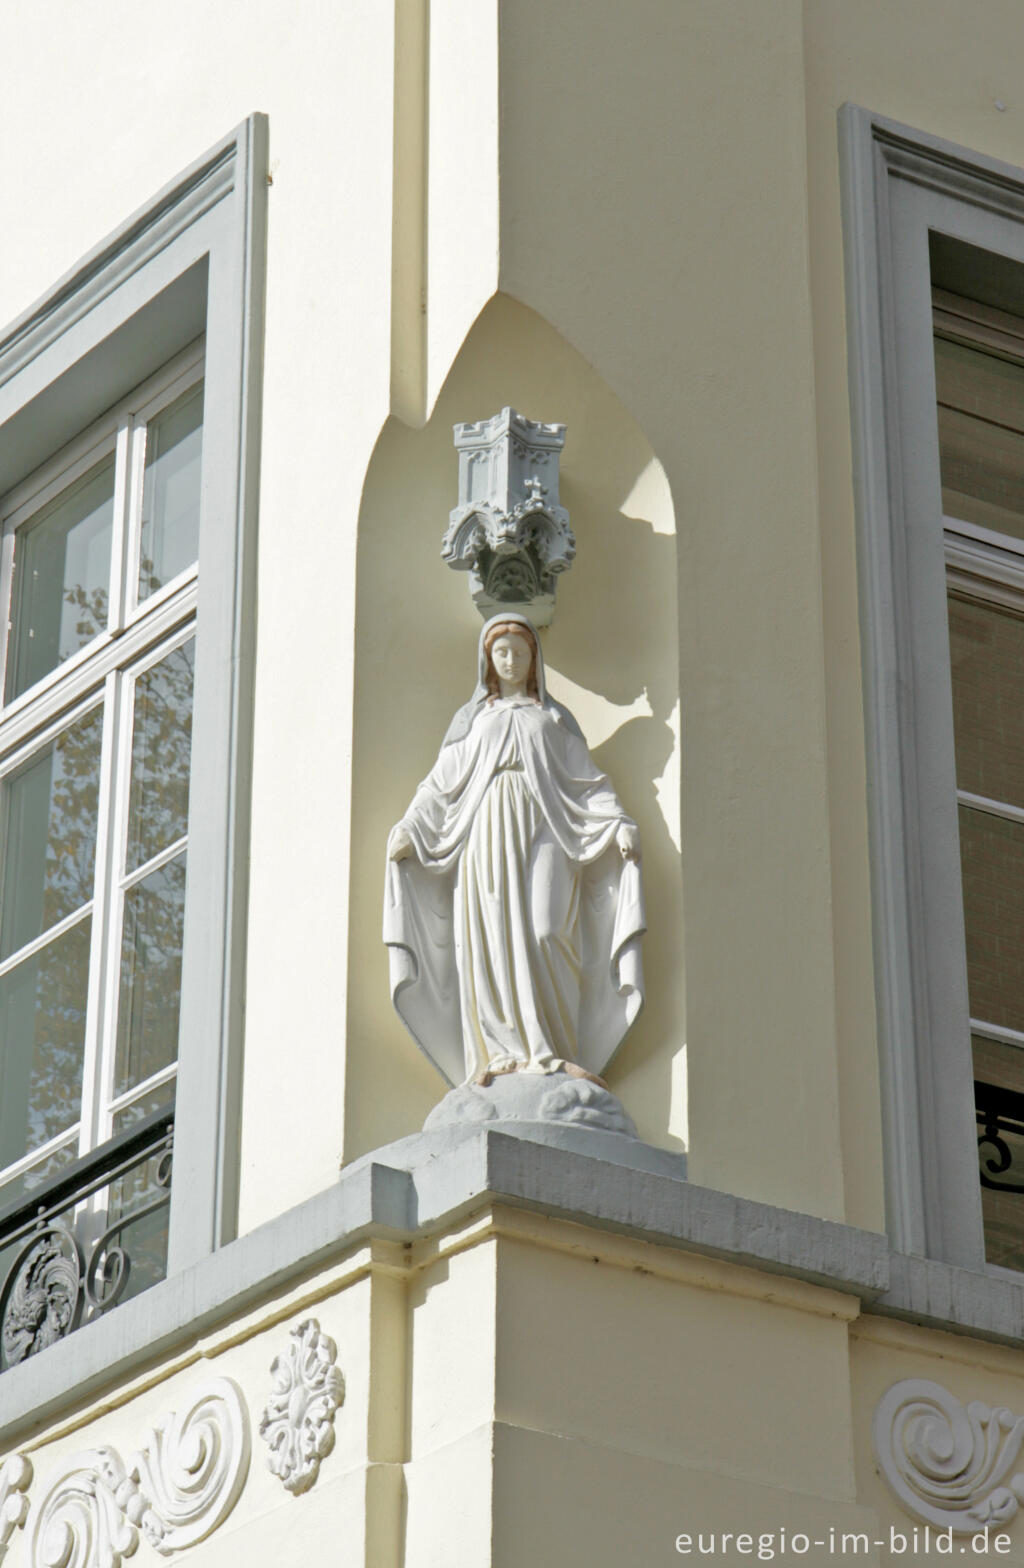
(514, 928)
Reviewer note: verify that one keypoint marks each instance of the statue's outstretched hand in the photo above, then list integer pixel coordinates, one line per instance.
(400, 845)
(628, 840)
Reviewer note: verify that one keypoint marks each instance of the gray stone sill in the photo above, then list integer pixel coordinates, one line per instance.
(987, 1306)
(373, 1198)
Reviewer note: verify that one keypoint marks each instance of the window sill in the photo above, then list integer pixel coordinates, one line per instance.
(373, 1198)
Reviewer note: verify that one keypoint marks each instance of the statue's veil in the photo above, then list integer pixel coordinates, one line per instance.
(464, 716)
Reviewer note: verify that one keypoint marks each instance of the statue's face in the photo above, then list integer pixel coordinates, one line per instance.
(512, 656)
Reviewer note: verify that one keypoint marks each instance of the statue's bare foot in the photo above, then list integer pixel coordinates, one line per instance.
(495, 1068)
(503, 1064)
(544, 1064)
(574, 1070)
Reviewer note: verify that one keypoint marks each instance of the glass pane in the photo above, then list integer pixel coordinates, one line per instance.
(19, 1186)
(987, 649)
(147, 1019)
(161, 753)
(159, 1099)
(61, 579)
(170, 499)
(980, 383)
(145, 1239)
(49, 817)
(981, 437)
(42, 1026)
(992, 863)
(142, 1237)
(1000, 1069)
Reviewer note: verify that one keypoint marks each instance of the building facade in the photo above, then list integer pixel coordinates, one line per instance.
(766, 265)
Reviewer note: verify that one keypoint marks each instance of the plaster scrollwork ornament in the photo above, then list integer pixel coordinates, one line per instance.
(189, 1471)
(509, 531)
(82, 1522)
(298, 1419)
(951, 1465)
(183, 1481)
(15, 1479)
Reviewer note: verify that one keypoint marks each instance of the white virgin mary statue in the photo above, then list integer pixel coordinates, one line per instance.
(513, 909)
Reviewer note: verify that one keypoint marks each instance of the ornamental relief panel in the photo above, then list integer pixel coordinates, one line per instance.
(951, 1465)
(298, 1418)
(15, 1479)
(188, 1471)
(181, 1483)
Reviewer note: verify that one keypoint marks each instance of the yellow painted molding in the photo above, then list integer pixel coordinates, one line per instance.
(503, 1222)
(939, 1345)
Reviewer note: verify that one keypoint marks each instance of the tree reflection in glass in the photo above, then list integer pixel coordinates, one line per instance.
(61, 582)
(50, 809)
(49, 815)
(147, 1023)
(170, 500)
(154, 905)
(161, 755)
(42, 1026)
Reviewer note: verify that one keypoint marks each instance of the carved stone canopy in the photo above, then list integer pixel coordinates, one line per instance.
(508, 530)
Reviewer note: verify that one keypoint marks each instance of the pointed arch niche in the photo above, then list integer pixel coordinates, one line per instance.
(611, 655)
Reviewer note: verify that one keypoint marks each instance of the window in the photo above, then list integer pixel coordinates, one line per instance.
(98, 594)
(979, 375)
(935, 271)
(128, 431)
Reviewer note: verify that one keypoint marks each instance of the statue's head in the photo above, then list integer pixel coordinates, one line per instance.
(511, 654)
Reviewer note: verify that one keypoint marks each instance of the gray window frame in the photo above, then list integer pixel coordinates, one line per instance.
(191, 261)
(899, 184)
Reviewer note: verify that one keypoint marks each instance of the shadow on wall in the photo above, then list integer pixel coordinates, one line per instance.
(611, 655)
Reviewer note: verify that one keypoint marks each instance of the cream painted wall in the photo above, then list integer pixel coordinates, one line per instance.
(361, 1304)
(668, 241)
(668, 248)
(633, 193)
(656, 173)
(617, 1389)
(676, 1359)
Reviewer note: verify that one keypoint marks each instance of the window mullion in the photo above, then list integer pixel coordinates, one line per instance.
(992, 808)
(120, 542)
(6, 579)
(133, 534)
(103, 974)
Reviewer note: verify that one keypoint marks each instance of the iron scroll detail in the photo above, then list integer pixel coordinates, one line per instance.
(61, 1273)
(999, 1112)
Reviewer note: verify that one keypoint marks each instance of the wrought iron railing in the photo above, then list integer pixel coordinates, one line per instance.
(1000, 1116)
(71, 1248)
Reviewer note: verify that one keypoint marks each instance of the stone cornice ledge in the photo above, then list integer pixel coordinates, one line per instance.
(987, 1306)
(652, 1205)
(373, 1198)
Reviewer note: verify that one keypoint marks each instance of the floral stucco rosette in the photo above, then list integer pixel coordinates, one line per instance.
(298, 1419)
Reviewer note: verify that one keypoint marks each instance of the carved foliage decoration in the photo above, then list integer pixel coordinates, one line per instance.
(40, 1302)
(176, 1488)
(298, 1420)
(951, 1465)
(190, 1470)
(15, 1479)
(81, 1522)
(509, 530)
